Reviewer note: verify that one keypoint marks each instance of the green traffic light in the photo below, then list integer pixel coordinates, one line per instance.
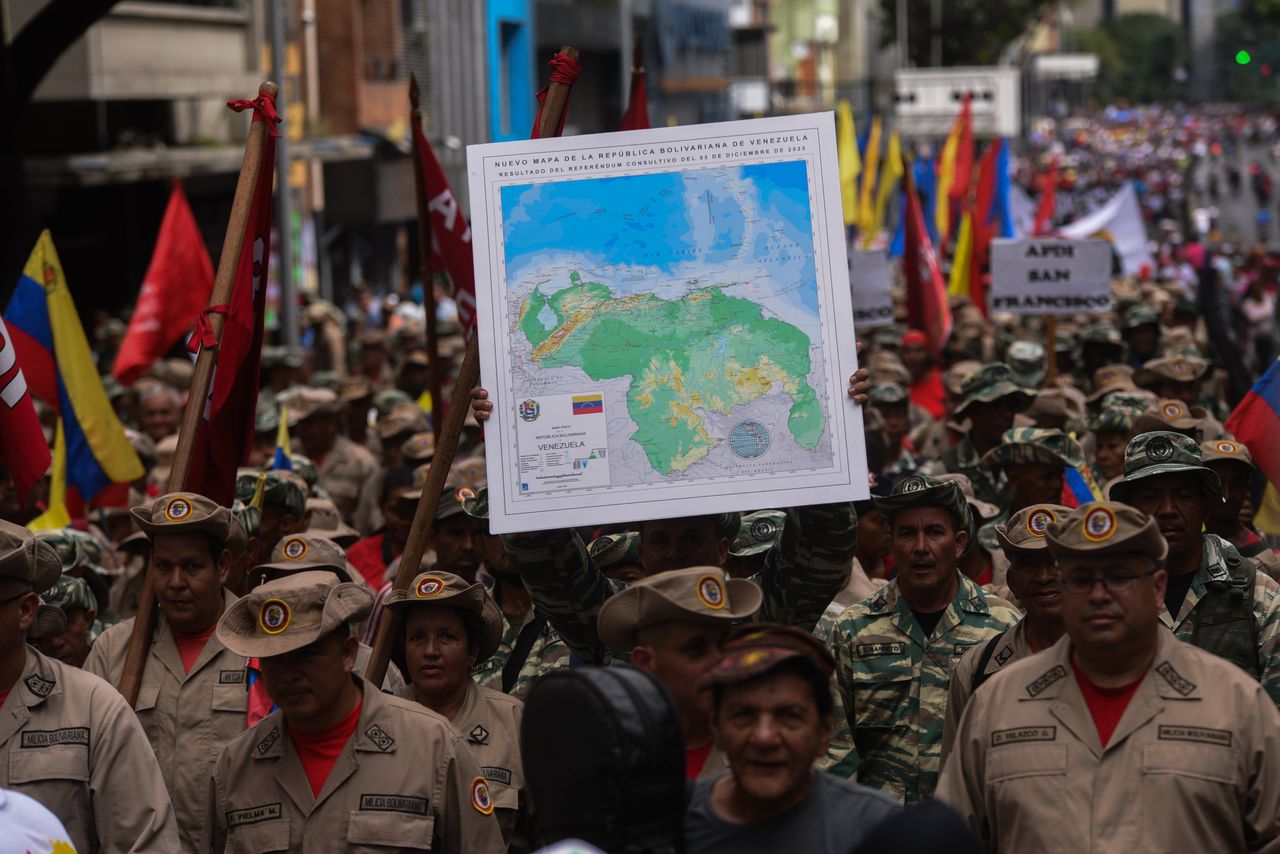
(1243, 57)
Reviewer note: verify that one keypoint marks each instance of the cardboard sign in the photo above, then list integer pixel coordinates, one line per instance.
(1050, 276)
(869, 282)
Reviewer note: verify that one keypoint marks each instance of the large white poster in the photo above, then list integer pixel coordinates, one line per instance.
(665, 323)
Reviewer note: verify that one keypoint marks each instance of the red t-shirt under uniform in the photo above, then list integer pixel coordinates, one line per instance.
(318, 750)
(190, 646)
(694, 759)
(1106, 705)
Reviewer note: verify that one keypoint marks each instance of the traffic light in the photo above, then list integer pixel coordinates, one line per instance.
(1243, 57)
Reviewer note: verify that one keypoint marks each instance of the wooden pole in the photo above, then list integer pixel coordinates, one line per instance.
(1051, 351)
(447, 444)
(192, 417)
(424, 252)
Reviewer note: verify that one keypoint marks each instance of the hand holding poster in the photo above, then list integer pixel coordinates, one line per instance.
(1050, 276)
(665, 323)
(871, 286)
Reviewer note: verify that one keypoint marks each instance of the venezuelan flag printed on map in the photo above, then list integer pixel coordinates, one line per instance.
(56, 360)
(588, 404)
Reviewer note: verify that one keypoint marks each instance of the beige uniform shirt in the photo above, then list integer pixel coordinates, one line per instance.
(404, 781)
(1192, 764)
(346, 470)
(188, 717)
(72, 743)
(1012, 646)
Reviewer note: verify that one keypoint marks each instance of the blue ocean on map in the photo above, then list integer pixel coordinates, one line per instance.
(655, 232)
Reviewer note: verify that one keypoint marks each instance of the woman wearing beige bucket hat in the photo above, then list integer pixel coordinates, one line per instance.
(446, 627)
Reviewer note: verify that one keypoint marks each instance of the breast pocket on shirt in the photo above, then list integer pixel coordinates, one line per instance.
(263, 837)
(379, 830)
(882, 693)
(69, 762)
(1203, 778)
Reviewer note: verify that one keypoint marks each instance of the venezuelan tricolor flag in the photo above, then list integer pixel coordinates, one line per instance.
(59, 367)
(1256, 423)
(283, 460)
(588, 404)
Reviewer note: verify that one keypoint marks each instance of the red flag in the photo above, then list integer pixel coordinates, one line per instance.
(1048, 198)
(22, 446)
(959, 191)
(450, 233)
(564, 69)
(175, 289)
(927, 306)
(983, 226)
(227, 436)
(637, 115)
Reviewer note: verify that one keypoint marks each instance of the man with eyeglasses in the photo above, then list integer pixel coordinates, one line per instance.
(1215, 598)
(1119, 737)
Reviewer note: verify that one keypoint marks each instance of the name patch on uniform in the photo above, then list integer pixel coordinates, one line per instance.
(1004, 655)
(1220, 737)
(1021, 734)
(54, 737)
(380, 739)
(253, 815)
(1044, 680)
(271, 739)
(230, 677)
(874, 650)
(1174, 678)
(497, 775)
(39, 686)
(394, 803)
(962, 648)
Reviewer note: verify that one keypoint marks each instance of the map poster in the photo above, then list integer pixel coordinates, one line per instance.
(1050, 276)
(665, 323)
(871, 287)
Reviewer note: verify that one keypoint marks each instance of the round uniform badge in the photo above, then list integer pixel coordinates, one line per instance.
(1226, 447)
(1181, 367)
(912, 484)
(1106, 377)
(480, 797)
(711, 592)
(1159, 449)
(1099, 524)
(294, 549)
(762, 530)
(274, 616)
(1173, 410)
(1039, 521)
(428, 587)
(177, 510)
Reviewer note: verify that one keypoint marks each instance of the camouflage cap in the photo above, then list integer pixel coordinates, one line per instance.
(303, 552)
(1112, 420)
(992, 382)
(26, 558)
(1140, 315)
(324, 520)
(1170, 415)
(1101, 334)
(453, 498)
(613, 549)
(1106, 527)
(888, 394)
(477, 506)
(1023, 445)
(304, 468)
(280, 488)
(1111, 378)
(1181, 369)
(266, 418)
(1225, 450)
(290, 613)
(184, 513)
(1025, 531)
(955, 377)
(1163, 452)
(982, 509)
(419, 448)
(758, 532)
(1026, 361)
(700, 594)
(388, 399)
(755, 649)
(451, 591)
(248, 517)
(919, 490)
(70, 592)
(70, 549)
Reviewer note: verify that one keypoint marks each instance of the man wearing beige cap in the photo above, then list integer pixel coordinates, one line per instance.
(1233, 464)
(1119, 737)
(192, 698)
(673, 624)
(339, 766)
(67, 739)
(1033, 580)
(345, 467)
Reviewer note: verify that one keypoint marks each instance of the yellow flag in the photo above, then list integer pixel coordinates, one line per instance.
(866, 210)
(890, 174)
(850, 161)
(959, 285)
(1267, 519)
(57, 516)
(946, 177)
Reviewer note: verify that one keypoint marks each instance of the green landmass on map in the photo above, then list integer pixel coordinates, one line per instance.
(705, 350)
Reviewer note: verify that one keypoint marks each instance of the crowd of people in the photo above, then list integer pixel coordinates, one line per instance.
(1052, 626)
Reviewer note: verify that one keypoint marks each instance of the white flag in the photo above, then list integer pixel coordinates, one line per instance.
(1119, 221)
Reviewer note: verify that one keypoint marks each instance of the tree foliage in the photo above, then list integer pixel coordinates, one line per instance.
(1139, 57)
(973, 32)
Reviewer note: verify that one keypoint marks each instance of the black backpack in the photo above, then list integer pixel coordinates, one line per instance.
(604, 760)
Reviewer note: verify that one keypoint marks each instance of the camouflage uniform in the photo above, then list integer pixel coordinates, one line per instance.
(547, 653)
(801, 574)
(71, 592)
(991, 383)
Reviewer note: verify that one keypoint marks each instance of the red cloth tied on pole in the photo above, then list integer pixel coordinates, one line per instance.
(23, 448)
(174, 290)
(202, 335)
(928, 308)
(564, 69)
(450, 232)
(227, 437)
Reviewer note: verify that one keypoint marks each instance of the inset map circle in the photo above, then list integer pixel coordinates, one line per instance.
(749, 440)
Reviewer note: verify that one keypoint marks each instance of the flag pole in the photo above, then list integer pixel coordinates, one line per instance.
(424, 250)
(1051, 351)
(192, 417)
(447, 444)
